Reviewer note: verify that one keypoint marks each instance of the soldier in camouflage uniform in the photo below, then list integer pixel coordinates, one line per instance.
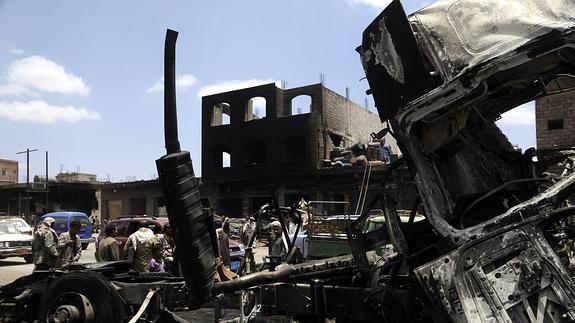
(140, 246)
(44, 246)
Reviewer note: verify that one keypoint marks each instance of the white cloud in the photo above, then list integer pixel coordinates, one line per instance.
(380, 4)
(43, 112)
(37, 73)
(17, 90)
(522, 115)
(183, 82)
(16, 51)
(226, 86)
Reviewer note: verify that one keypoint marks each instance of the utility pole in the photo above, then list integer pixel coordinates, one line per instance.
(28, 151)
(47, 182)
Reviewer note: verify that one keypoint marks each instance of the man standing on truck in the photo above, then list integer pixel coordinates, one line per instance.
(139, 247)
(69, 245)
(277, 246)
(44, 246)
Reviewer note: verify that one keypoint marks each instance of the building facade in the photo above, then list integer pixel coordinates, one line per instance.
(75, 177)
(132, 198)
(555, 117)
(264, 135)
(8, 171)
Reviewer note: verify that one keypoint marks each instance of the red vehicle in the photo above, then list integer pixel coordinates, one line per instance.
(130, 224)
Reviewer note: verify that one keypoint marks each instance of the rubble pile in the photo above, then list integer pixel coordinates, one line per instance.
(373, 153)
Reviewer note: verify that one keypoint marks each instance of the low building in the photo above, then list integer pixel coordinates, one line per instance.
(8, 171)
(75, 177)
(264, 135)
(132, 198)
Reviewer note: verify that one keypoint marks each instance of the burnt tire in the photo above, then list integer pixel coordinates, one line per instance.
(97, 293)
(29, 259)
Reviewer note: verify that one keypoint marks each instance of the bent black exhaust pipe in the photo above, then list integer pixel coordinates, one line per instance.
(192, 227)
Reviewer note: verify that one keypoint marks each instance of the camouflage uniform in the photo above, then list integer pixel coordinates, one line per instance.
(141, 243)
(278, 247)
(44, 246)
(68, 252)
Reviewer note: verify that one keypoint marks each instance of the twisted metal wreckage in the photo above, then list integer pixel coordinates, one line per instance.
(495, 242)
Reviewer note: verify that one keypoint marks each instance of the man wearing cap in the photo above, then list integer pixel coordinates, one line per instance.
(44, 246)
(277, 246)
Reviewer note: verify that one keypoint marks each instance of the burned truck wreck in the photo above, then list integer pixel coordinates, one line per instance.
(495, 244)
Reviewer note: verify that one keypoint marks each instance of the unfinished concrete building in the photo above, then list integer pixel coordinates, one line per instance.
(555, 116)
(266, 135)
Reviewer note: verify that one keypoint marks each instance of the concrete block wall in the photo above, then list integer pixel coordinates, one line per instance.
(357, 122)
(555, 107)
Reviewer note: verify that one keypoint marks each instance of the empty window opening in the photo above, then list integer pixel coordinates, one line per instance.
(221, 113)
(335, 139)
(256, 153)
(226, 159)
(301, 104)
(256, 108)
(555, 124)
(294, 149)
(222, 157)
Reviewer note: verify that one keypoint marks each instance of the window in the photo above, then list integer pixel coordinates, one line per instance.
(221, 114)
(335, 139)
(301, 104)
(222, 157)
(555, 124)
(255, 108)
(84, 221)
(294, 149)
(226, 160)
(256, 153)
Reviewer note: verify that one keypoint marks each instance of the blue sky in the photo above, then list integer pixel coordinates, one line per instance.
(82, 79)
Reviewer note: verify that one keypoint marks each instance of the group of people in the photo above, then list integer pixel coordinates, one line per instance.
(144, 249)
(55, 251)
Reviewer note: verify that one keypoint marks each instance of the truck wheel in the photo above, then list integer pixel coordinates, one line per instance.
(29, 258)
(81, 297)
(84, 246)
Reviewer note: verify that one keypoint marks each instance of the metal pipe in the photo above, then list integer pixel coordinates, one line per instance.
(171, 118)
(259, 278)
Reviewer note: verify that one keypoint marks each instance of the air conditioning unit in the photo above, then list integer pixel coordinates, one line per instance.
(38, 186)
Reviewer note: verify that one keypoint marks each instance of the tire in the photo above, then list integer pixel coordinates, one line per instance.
(106, 304)
(29, 259)
(84, 246)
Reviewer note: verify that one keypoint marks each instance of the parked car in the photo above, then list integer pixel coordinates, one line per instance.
(62, 221)
(13, 242)
(21, 224)
(130, 224)
(126, 225)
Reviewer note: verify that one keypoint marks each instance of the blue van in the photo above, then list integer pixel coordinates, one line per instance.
(64, 219)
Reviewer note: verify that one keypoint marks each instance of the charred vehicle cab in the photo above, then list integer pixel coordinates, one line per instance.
(488, 238)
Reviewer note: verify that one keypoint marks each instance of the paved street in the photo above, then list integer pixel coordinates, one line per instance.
(15, 267)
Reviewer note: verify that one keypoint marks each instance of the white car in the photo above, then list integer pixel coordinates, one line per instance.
(15, 239)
